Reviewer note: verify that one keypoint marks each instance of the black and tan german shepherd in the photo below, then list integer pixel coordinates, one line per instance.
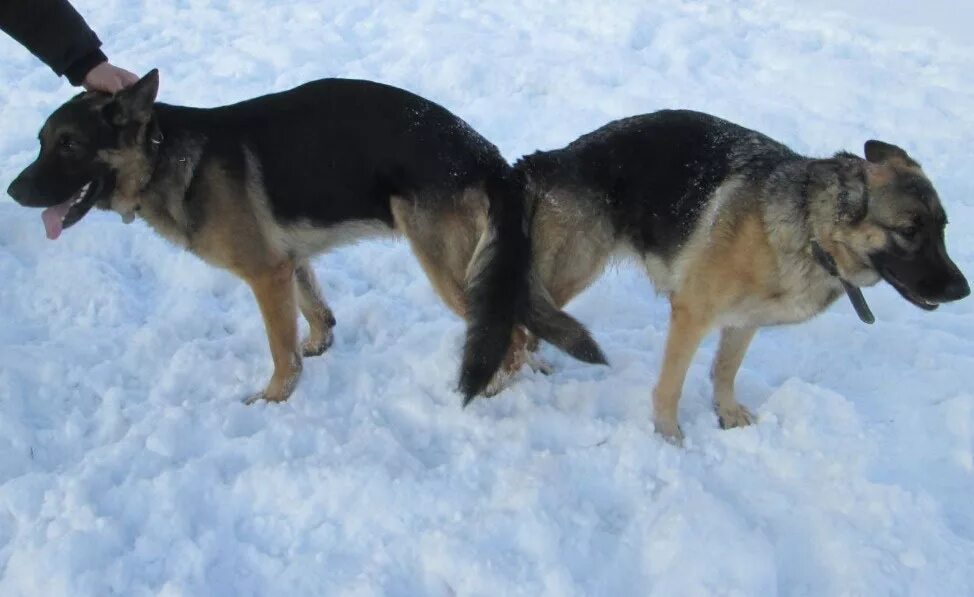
(261, 186)
(738, 230)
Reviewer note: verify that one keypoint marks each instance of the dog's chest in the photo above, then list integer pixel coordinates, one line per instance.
(166, 217)
(786, 304)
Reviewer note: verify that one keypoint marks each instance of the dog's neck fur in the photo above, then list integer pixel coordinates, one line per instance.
(809, 245)
(789, 229)
(162, 183)
(816, 214)
(843, 201)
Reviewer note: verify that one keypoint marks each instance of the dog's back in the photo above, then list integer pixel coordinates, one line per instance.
(335, 150)
(652, 175)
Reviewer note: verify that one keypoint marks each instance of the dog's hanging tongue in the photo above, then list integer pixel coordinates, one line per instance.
(54, 219)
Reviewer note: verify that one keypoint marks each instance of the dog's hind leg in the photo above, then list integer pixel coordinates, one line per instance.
(443, 243)
(274, 290)
(570, 249)
(730, 354)
(315, 310)
(688, 325)
(449, 244)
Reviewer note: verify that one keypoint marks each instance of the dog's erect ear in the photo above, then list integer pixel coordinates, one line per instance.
(843, 181)
(134, 104)
(879, 152)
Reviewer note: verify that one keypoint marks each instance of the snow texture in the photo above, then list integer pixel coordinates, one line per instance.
(129, 466)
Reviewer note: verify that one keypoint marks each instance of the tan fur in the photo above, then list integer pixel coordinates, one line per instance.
(730, 280)
(730, 354)
(231, 236)
(517, 356)
(571, 245)
(274, 290)
(315, 310)
(128, 188)
(445, 241)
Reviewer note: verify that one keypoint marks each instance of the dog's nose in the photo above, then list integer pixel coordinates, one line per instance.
(956, 289)
(16, 189)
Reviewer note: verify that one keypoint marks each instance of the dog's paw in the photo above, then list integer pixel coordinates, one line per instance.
(253, 398)
(312, 346)
(734, 416)
(263, 397)
(498, 383)
(670, 430)
(539, 365)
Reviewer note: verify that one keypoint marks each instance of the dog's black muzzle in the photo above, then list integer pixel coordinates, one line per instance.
(926, 279)
(25, 192)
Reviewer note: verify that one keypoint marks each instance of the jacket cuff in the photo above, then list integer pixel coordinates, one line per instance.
(80, 68)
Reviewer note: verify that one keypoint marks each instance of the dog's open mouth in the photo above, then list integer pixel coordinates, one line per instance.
(66, 214)
(907, 293)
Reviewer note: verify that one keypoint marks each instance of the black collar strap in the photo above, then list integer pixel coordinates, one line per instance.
(853, 292)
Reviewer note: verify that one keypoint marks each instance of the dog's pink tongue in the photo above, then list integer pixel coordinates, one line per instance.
(53, 218)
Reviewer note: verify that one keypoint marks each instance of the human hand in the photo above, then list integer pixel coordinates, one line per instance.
(108, 78)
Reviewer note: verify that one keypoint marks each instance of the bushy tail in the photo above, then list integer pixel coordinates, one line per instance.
(559, 328)
(499, 293)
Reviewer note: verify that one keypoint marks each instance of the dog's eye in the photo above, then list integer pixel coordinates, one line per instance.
(66, 143)
(909, 232)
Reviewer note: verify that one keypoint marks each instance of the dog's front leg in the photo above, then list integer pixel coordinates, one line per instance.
(687, 328)
(733, 345)
(274, 290)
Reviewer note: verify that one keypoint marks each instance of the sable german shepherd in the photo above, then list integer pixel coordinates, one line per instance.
(261, 186)
(739, 231)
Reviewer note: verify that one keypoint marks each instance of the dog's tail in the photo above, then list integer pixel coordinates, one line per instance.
(501, 294)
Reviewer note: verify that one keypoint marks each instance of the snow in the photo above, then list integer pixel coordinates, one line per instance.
(129, 466)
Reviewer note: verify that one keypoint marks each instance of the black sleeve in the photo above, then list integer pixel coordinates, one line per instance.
(54, 32)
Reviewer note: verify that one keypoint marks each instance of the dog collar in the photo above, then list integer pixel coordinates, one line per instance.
(853, 292)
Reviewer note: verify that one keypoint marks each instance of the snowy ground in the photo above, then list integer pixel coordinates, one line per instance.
(128, 465)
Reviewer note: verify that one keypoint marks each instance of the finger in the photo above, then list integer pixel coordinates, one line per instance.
(127, 78)
(112, 84)
(105, 85)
